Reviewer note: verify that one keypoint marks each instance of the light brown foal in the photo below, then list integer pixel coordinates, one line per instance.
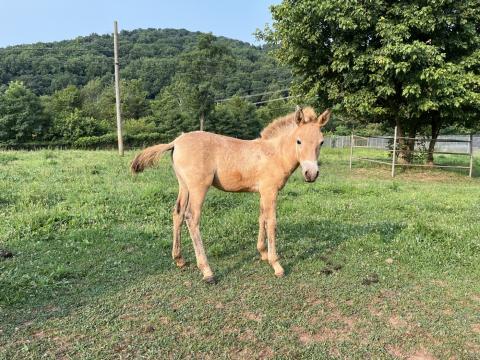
(202, 159)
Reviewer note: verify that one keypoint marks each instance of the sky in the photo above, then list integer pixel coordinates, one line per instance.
(30, 21)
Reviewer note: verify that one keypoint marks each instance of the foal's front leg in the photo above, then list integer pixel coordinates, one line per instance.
(269, 205)
(261, 245)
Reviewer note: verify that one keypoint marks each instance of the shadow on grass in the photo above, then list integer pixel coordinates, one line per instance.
(299, 242)
(310, 242)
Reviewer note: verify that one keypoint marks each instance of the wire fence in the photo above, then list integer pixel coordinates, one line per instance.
(384, 142)
(394, 152)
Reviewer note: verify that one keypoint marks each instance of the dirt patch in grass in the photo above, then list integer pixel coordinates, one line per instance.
(241, 354)
(219, 306)
(374, 311)
(397, 322)
(395, 351)
(448, 312)
(247, 336)
(332, 325)
(433, 175)
(421, 354)
(149, 328)
(253, 316)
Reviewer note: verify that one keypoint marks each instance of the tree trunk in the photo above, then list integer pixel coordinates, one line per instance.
(435, 122)
(410, 144)
(401, 145)
(406, 147)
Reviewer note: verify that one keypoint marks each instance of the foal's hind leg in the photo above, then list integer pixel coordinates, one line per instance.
(178, 216)
(195, 202)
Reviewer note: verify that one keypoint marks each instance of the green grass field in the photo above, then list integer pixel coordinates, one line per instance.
(375, 267)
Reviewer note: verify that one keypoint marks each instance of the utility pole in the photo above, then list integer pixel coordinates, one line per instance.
(117, 88)
(202, 121)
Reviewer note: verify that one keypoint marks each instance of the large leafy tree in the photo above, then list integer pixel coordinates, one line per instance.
(199, 69)
(67, 120)
(176, 109)
(22, 117)
(235, 117)
(409, 63)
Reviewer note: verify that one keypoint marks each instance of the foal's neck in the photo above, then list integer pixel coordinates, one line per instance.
(286, 153)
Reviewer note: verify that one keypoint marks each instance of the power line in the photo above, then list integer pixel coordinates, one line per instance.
(277, 99)
(252, 95)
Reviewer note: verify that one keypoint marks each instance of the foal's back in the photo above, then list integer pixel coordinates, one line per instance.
(227, 163)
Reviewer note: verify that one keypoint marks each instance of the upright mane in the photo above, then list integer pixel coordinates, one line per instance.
(285, 123)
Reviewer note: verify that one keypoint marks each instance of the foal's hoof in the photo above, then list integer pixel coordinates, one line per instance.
(210, 280)
(181, 263)
(280, 274)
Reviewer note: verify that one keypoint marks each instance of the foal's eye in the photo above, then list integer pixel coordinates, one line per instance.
(321, 143)
(299, 142)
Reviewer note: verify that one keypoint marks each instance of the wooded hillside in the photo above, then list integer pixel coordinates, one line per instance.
(63, 91)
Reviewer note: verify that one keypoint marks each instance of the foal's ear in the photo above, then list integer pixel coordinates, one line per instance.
(299, 117)
(324, 117)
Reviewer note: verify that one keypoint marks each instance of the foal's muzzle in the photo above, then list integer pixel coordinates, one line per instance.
(309, 170)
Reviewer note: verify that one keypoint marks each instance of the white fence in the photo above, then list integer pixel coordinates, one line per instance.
(459, 145)
(384, 142)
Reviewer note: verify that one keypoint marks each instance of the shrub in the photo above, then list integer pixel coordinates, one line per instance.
(139, 126)
(110, 140)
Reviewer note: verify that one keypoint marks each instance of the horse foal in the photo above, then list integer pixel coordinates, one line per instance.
(201, 159)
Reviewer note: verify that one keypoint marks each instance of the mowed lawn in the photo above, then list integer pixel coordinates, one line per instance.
(375, 267)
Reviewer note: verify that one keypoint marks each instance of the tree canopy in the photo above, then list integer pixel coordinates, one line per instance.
(409, 63)
(21, 114)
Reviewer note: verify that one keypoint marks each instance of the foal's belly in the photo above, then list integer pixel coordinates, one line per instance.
(235, 181)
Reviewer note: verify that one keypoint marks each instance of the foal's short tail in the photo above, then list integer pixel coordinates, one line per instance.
(149, 157)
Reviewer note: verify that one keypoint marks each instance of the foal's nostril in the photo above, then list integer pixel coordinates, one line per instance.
(316, 175)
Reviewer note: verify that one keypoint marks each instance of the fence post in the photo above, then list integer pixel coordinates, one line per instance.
(394, 151)
(351, 150)
(471, 156)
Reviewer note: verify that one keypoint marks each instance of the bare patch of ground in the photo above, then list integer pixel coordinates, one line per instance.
(421, 354)
(409, 174)
(247, 336)
(332, 326)
(253, 316)
(395, 351)
(266, 353)
(397, 322)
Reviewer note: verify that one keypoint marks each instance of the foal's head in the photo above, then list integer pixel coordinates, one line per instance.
(309, 138)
